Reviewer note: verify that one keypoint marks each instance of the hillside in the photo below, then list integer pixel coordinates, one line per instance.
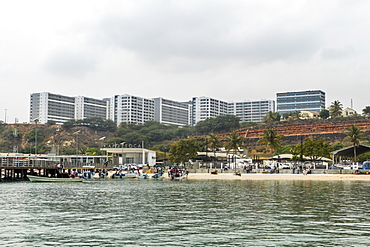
(66, 139)
(23, 136)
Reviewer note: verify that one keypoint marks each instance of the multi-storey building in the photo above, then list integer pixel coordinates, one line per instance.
(60, 108)
(303, 100)
(131, 109)
(89, 107)
(203, 108)
(171, 112)
(251, 111)
(46, 106)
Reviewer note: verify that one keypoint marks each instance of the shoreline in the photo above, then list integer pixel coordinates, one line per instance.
(288, 177)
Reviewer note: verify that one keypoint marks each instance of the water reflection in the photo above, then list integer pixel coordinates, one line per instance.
(187, 213)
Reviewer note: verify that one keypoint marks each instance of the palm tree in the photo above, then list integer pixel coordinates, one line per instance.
(336, 108)
(234, 141)
(272, 117)
(214, 143)
(354, 135)
(366, 110)
(271, 139)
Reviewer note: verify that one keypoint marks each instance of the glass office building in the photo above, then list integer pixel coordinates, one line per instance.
(303, 100)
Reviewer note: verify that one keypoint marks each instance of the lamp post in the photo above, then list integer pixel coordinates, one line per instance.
(76, 134)
(122, 144)
(36, 121)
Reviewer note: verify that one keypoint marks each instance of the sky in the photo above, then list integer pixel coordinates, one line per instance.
(229, 50)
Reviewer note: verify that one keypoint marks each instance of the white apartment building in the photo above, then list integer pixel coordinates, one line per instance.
(89, 107)
(171, 112)
(203, 108)
(60, 108)
(131, 109)
(251, 111)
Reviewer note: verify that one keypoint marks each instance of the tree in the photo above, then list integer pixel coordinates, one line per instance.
(324, 114)
(354, 136)
(272, 117)
(214, 143)
(316, 148)
(234, 142)
(336, 109)
(183, 150)
(220, 124)
(366, 110)
(271, 139)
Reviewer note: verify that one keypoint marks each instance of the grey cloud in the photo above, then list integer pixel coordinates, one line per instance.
(219, 32)
(71, 63)
(337, 53)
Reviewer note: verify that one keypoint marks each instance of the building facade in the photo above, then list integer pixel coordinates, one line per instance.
(60, 108)
(131, 109)
(54, 107)
(299, 101)
(171, 112)
(251, 111)
(89, 107)
(203, 108)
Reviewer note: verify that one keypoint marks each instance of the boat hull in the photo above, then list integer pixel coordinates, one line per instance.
(54, 180)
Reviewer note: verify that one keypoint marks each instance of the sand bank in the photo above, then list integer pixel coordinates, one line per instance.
(259, 176)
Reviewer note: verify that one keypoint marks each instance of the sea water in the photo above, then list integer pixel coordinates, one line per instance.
(185, 213)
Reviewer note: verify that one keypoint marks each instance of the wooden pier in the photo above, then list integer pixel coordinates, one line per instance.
(17, 168)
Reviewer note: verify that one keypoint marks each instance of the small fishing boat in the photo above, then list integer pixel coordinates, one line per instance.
(54, 180)
(159, 175)
(143, 176)
(174, 177)
(128, 175)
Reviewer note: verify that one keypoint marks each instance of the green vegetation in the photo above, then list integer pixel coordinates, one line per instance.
(271, 139)
(354, 136)
(336, 109)
(183, 150)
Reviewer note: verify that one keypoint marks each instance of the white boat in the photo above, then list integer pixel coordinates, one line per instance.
(54, 180)
(128, 175)
(179, 177)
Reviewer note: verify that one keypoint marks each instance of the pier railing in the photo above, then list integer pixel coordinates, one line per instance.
(32, 163)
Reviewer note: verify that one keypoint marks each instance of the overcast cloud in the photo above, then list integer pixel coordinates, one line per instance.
(229, 50)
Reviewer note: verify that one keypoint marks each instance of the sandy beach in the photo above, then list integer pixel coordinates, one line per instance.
(259, 176)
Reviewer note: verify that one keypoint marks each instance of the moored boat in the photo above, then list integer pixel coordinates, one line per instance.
(128, 175)
(159, 175)
(143, 176)
(54, 180)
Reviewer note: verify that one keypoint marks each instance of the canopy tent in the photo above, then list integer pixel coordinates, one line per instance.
(290, 156)
(348, 151)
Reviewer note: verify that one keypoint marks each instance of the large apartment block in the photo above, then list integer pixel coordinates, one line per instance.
(303, 100)
(59, 108)
(171, 112)
(203, 108)
(89, 107)
(251, 111)
(131, 109)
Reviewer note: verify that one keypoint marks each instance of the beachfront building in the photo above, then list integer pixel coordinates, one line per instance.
(131, 109)
(46, 107)
(251, 111)
(298, 101)
(130, 153)
(171, 112)
(203, 108)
